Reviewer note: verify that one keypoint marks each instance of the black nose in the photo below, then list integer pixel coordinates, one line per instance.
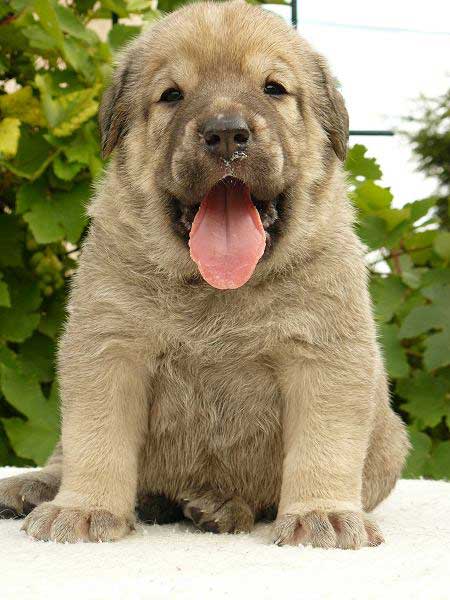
(226, 134)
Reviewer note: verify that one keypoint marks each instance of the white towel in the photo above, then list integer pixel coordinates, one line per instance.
(176, 561)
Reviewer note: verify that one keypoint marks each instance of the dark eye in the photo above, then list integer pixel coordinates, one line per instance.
(171, 95)
(274, 89)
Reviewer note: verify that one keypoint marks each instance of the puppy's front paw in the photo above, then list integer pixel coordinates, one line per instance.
(323, 529)
(60, 524)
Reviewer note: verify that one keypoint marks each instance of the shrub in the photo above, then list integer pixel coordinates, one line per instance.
(53, 68)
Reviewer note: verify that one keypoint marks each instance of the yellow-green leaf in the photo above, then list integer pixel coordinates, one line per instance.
(68, 112)
(9, 136)
(23, 106)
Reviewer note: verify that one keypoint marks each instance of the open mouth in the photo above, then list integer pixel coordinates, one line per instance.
(229, 231)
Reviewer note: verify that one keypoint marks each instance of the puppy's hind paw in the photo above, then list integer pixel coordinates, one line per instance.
(213, 513)
(21, 493)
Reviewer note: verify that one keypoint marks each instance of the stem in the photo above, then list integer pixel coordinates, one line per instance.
(396, 253)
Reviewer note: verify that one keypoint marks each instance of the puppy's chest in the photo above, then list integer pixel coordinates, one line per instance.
(215, 331)
(221, 402)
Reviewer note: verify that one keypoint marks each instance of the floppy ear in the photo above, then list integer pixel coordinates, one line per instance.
(114, 111)
(331, 110)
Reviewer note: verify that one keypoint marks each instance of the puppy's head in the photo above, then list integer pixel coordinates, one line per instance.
(223, 114)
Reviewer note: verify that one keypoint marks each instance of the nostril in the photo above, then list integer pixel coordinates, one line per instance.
(241, 137)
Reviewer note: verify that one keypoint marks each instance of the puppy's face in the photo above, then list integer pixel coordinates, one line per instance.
(218, 97)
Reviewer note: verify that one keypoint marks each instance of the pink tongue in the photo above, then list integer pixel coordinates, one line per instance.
(227, 237)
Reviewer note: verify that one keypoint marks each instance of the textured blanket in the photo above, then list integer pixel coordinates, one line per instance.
(176, 561)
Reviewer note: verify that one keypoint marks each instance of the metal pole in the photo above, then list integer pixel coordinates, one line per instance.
(369, 132)
(294, 13)
(385, 132)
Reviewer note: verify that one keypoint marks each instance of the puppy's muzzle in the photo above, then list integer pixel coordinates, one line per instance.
(225, 135)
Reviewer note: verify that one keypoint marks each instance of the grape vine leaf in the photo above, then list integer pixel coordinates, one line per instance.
(419, 455)
(394, 353)
(53, 217)
(426, 398)
(35, 437)
(433, 316)
(9, 137)
(440, 460)
(18, 321)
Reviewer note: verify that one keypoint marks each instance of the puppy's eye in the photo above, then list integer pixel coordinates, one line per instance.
(274, 89)
(171, 95)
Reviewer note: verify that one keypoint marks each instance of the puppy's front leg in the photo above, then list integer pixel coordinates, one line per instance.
(104, 421)
(328, 408)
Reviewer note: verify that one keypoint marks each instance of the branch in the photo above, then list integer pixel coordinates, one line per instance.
(396, 253)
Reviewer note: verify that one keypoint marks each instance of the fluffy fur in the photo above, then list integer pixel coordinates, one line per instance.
(229, 404)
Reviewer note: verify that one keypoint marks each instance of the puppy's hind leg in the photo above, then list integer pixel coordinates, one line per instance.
(388, 448)
(21, 493)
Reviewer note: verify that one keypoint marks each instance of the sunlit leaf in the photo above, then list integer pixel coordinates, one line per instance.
(9, 137)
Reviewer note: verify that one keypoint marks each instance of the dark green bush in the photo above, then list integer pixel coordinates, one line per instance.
(53, 69)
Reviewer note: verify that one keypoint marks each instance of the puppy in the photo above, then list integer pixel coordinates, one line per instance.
(220, 359)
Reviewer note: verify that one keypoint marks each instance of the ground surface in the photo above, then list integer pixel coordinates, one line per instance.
(175, 561)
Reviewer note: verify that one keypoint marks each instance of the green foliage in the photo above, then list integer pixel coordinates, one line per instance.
(53, 70)
(429, 134)
(409, 257)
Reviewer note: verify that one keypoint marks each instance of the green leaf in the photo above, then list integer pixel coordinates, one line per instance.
(440, 461)
(18, 322)
(7, 357)
(53, 217)
(64, 170)
(419, 245)
(437, 353)
(5, 299)
(53, 316)
(116, 6)
(420, 208)
(138, 5)
(442, 244)
(394, 216)
(85, 148)
(433, 316)
(388, 294)
(419, 455)
(36, 437)
(68, 112)
(413, 299)
(371, 197)
(436, 276)
(40, 39)
(427, 398)
(33, 155)
(36, 357)
(76, 55)
(420, 320)
(373, 231)
(122, 34)
(70, 23)
(394, 353)
(9, 137)
(45, 9)
(24, 106)
(11, 241)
